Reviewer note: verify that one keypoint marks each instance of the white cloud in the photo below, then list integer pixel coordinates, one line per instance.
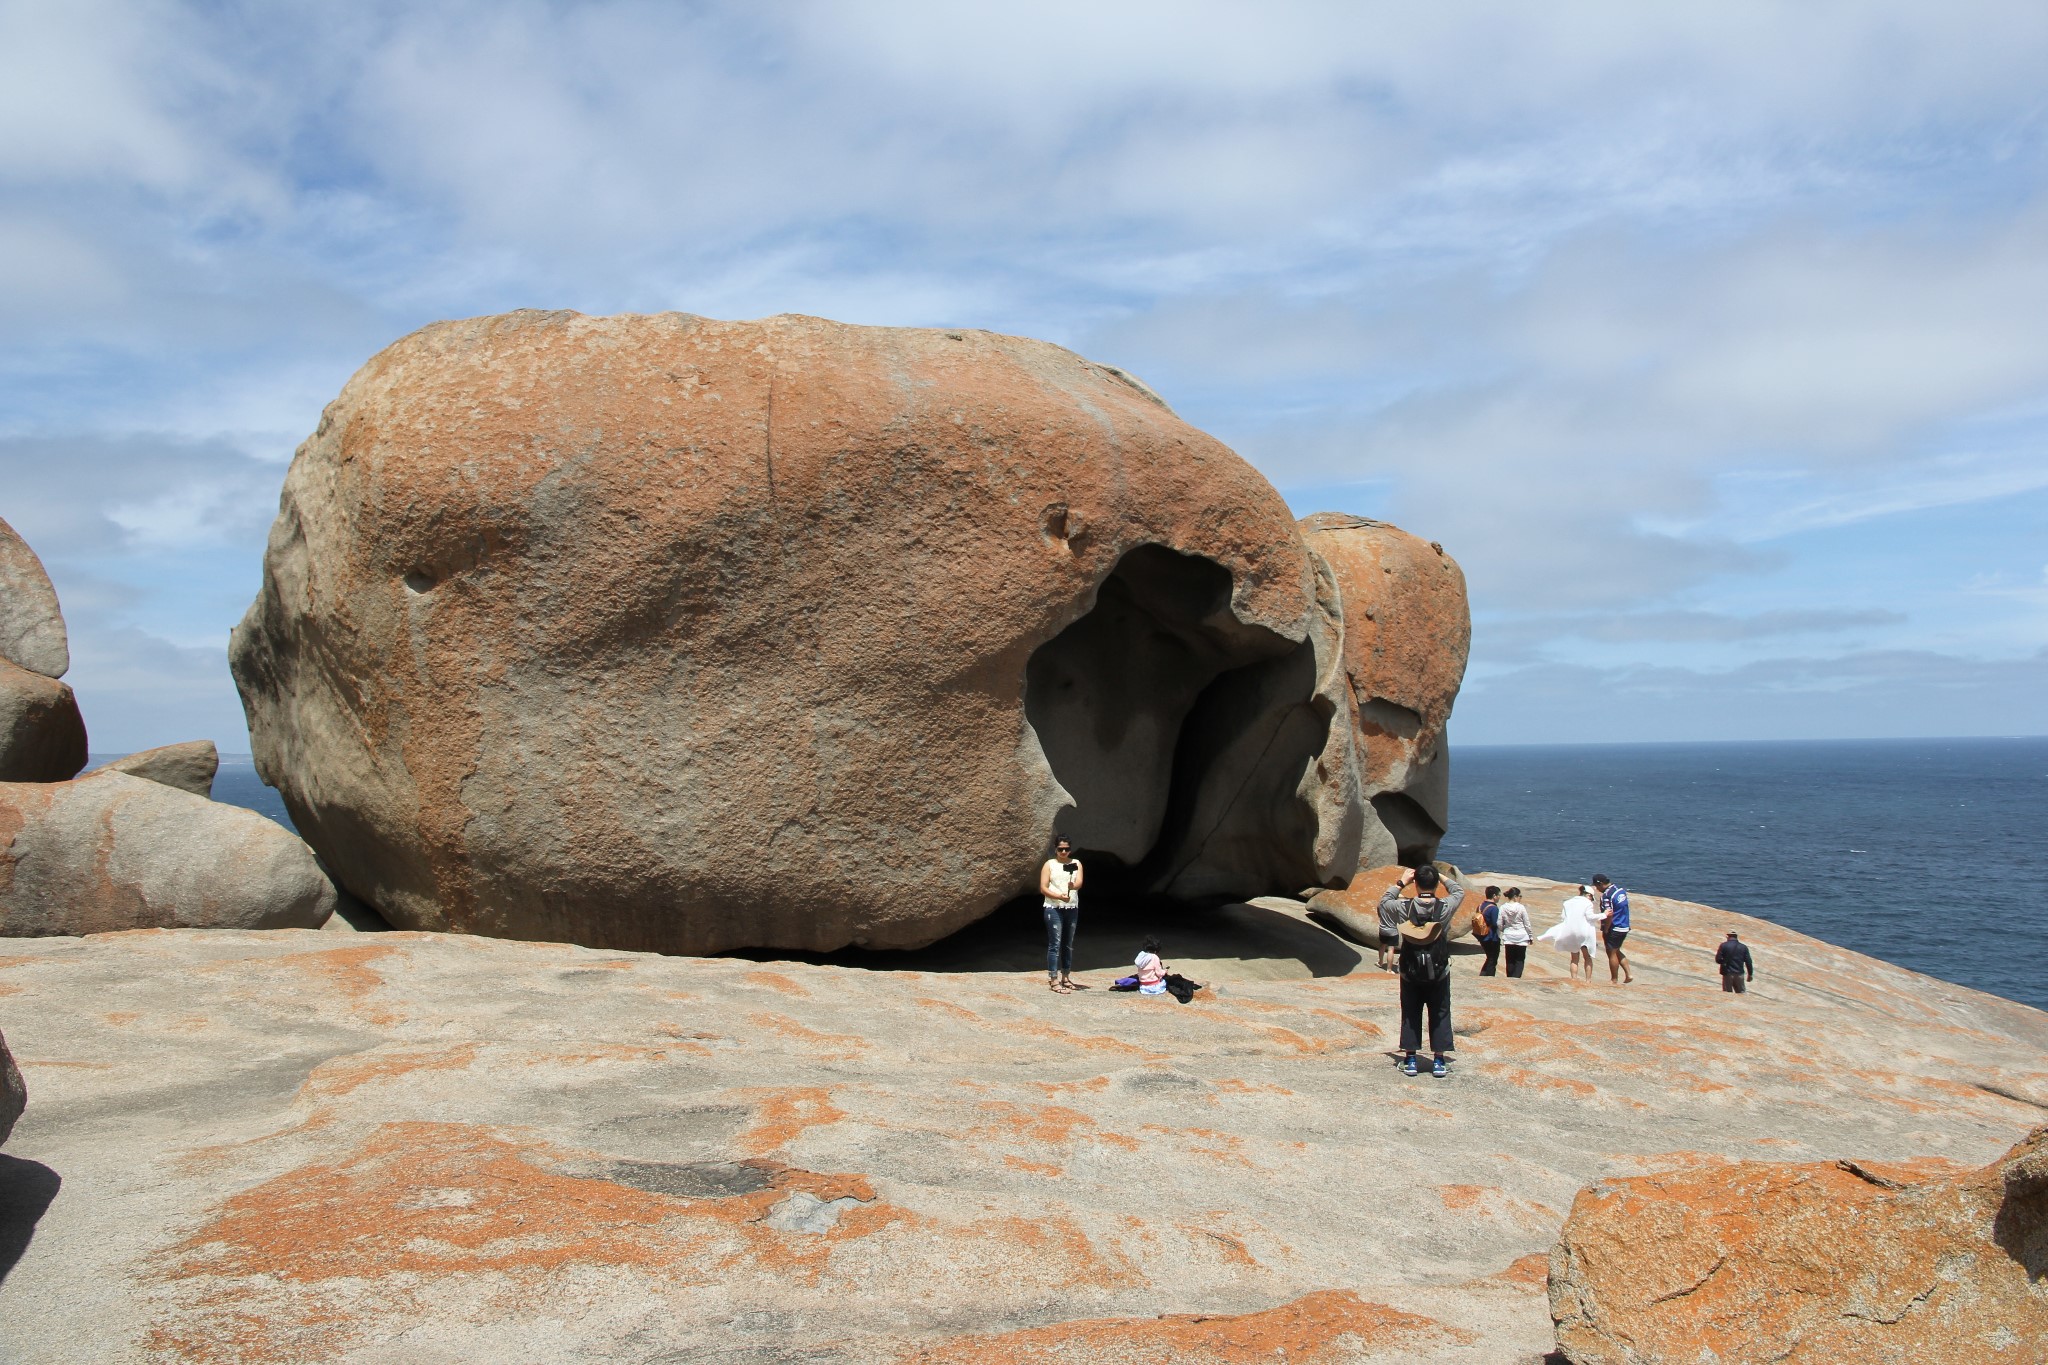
(1659, 287)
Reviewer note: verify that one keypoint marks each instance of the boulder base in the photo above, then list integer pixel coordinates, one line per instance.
(42, 735)
(111, 851)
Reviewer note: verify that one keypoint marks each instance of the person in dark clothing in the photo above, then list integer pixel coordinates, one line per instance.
(1738, 968)
(1425, 960)
(1487, 930)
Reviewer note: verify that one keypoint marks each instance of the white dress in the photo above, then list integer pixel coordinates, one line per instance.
(1575, 930)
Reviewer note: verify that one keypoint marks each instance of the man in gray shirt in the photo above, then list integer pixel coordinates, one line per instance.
(1425, 964)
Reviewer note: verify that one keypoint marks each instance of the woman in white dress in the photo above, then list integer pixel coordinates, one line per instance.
(1575, 933)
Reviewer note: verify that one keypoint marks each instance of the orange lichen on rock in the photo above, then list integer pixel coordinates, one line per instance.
(424, 1202)
(348, 972)
(1826, 1262)
(341, 1075)
(1329, 1326)
(831, 1046)
(781, 1116)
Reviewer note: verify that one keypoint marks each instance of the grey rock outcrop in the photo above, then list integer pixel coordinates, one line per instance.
(111, 851)
(13, 1092)
(42, 734)
(31, 625)
(189, 766)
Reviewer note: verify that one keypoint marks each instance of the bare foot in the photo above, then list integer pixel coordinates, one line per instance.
(1057, 989)
(1074, 985)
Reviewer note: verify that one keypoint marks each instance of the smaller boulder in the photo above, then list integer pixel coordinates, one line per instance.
(188, 767)
(1356, 908)
(31, 625)
(13, 1092)
(112, 851)
(1807, 1264)
(42, 735)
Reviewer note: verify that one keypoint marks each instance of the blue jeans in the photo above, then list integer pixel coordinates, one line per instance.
(1060, 923)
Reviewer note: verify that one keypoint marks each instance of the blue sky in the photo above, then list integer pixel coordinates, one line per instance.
(1712, 340)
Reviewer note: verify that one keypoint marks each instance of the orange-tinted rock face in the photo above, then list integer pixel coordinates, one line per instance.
(1406, 632)
(1809, 1263)
(660, 632)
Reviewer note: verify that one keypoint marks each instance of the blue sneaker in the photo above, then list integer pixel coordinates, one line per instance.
(1408, 1065)
(1440, 1069)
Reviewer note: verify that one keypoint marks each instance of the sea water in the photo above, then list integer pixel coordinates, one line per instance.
(1930, 853)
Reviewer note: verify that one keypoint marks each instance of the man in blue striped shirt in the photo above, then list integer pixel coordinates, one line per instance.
(1614, 928)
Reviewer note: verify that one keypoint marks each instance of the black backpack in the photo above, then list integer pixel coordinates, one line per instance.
(1430, 960)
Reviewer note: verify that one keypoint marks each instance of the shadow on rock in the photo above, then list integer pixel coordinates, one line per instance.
(27, 1189)
(1235, 939)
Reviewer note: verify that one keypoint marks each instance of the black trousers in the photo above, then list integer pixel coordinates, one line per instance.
(1492, 958)
(1517, 952)
(1436, 996)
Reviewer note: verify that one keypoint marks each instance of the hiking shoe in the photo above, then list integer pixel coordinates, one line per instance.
(1408, 1065)
(1440, 1068)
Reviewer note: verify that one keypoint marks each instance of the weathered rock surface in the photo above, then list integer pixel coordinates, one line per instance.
(189, 766)
(110, 851)
(1809, 1264)
(664, 633)
(42, 735)
(13, 1091)
(428, 1148)
(1407, 630)
(31, 626)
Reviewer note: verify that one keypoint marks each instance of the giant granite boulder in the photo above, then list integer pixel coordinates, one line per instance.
(658, 632)
(42, 735)
(113, 851)
(1809, 1264)
(1407, 631)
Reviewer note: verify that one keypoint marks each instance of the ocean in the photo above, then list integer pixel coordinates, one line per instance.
(1928, 853)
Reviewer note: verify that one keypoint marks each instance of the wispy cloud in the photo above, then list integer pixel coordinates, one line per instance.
(1621, 302)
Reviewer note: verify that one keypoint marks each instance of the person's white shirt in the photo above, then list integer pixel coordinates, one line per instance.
(1514, 923)
(1059, 884)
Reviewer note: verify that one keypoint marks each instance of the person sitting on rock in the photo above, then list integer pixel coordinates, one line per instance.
(1424, 921)
(1738, 968)
(1059, 883)
(1151, 971)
